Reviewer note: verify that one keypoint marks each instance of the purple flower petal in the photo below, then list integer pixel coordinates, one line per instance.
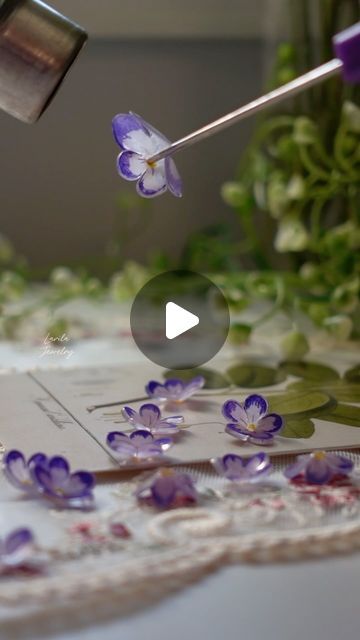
(153, 181)
(234, 411)
(237, 432)
(339, 464)
(164, 443)
(130, 415)
(297, 468)
(173, 178)
(131, 134)
(270, 423)
(78, 485)
(16, 470)
(151, 450)
(175, 387)
(155, 389)
(122, 444)
(317, 471)
(255, 407)
(17, 540)
(149, 414)
(59, 470)
(44, 480)
(141, 437)
(192, 387)
(259, 464)
(37, 458)
(185, 486)
(261, 438)
(164, 491)
(131, 166)
(163, 428)
(234, 466)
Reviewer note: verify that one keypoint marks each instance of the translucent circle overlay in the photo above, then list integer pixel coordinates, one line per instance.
(194, 293)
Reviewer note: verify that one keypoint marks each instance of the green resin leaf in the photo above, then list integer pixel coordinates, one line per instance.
(213, 379)
(343, 414)
(253, 376)
(310, 371)
(341, 390)
(353, 375)
(297, 428)
(301, 404)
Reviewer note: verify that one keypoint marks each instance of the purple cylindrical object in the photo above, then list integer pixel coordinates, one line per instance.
(347, 49)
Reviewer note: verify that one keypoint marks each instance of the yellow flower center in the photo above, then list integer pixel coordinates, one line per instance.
(319, 455)
(150, 164)
(251, 426)
(166, 473)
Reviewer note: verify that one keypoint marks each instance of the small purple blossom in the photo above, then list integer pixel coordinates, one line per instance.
(238, 469)
(167, 488)
(66, 489)
(319, 467)
(19, 472)
(149, 418)
(140, 141)
(174, 390)
(16, 552)
(49, 478)
(139, 446)
(250, 421)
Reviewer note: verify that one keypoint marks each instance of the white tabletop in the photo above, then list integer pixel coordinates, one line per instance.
(287, 602)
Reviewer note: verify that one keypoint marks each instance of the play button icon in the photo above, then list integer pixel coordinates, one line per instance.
(179, 319)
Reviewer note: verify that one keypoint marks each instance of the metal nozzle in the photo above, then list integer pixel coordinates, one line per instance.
(37, 47)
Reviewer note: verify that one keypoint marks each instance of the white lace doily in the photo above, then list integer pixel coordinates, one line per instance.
(90, 570)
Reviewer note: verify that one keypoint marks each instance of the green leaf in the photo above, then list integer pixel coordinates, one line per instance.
(343, 414)
(341, 390)
(297, 428)
(213, 379)
(300, 404)
(252, 376)
(310, 371)
(353, 375)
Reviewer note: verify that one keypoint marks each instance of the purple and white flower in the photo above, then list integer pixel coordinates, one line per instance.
(66, 489)
(246, 470)
(19, 472)
(149, 418)
(49, 478)
(250, 421)
(137, 447)
(166, 489)
(16, 552)
(319, 467)
(140, 141)
(174, 390)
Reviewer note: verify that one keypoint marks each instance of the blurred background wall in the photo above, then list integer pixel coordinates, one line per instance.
(178, 68)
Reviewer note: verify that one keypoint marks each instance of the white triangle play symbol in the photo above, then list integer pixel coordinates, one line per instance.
(178, 320)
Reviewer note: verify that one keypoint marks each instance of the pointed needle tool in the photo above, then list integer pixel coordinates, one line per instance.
(347, 50)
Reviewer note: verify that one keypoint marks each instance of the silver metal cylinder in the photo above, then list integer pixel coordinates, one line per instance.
(37, 47)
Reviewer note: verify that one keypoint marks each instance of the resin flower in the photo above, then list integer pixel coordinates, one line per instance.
(167, 488)
(140, 141)
(238, 469)
(19, 472)
(250, 421)
(16, 552)
(174, 390)
(55, 482)
(139, 446)
(149, 418)
(319, 467)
